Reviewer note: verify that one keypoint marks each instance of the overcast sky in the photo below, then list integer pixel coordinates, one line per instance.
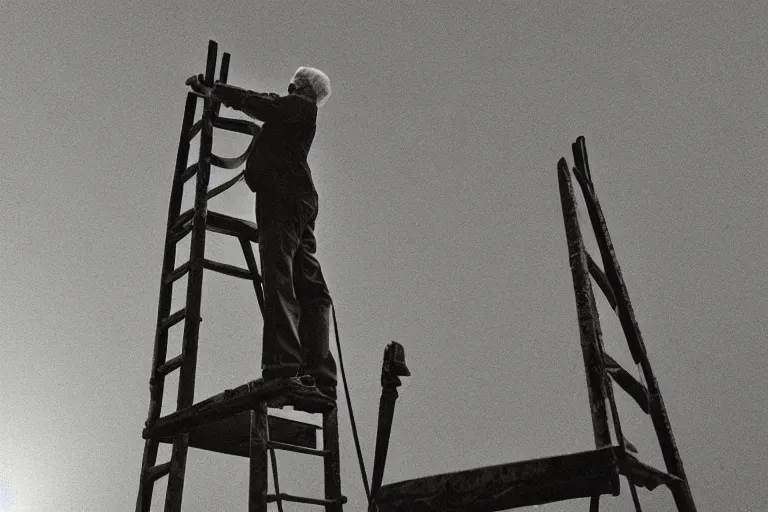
(440, 227)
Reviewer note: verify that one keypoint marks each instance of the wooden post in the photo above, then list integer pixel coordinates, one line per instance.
(331, 461)
(587, 314)
(393, 367)
(257, 488)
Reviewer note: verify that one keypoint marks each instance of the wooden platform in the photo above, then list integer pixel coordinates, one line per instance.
(232, 435)
(222, 423)
(519, 484)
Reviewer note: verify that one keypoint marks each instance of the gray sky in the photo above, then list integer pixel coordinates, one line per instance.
(440, 227)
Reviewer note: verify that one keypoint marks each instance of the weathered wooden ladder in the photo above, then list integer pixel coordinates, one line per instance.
(235, 422)
(587, 474)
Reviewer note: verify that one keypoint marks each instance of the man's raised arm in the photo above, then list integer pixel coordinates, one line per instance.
(258, 105)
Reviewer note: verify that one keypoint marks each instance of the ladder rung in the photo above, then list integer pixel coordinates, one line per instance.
(602, 281)
(170, 365)
(301, 499)
(189, 172)
(229, 270)
(298, 449)
(183, 219)
(195, 129)
(236, 125)
(158, 471)
(181, 233)
(628, 383)
(174, 319)
(177, 273)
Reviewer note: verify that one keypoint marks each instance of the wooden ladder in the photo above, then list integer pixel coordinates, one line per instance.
(237, 421)
(586, 474)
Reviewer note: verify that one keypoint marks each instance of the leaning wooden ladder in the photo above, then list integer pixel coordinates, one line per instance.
(235, 422)
(587, 474)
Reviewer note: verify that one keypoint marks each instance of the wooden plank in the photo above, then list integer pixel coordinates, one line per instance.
(231, 435)
(504, 486)
(234, 401)
(586, 312)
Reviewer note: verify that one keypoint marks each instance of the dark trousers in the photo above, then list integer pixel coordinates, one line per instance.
(296, 299)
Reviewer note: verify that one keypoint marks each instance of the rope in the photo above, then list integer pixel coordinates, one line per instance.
(349, 405)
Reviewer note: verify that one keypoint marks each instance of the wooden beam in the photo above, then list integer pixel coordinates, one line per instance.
(504, 486)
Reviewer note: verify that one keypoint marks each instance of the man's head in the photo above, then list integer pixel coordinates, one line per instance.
(311, 83)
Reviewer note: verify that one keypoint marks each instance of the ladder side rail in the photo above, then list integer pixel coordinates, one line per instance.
(159, 353)
(169, 261)
(594, 365)
(674, 464)
(186, 390)
(612, 271)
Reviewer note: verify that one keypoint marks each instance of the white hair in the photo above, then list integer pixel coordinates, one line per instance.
(315, 80)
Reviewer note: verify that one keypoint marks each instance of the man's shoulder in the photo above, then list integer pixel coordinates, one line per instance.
(296, 106)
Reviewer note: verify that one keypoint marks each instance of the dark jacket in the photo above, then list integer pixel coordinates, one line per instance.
(278, 163)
